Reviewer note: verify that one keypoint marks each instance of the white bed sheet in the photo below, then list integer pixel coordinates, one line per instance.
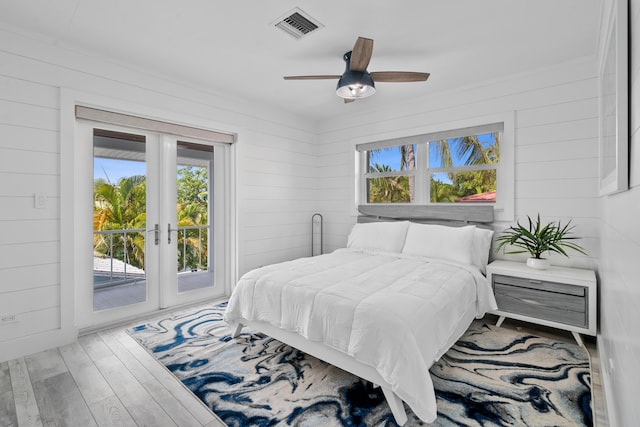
(394, 312)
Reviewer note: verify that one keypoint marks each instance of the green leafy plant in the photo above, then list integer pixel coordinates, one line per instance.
(536, 238)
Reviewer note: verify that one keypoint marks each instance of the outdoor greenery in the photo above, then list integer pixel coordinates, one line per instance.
(391, 189)
(122, 206)
(192, 211)
(400, 188)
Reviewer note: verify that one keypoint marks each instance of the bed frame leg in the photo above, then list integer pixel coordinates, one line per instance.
(237, 330)
(396, 405)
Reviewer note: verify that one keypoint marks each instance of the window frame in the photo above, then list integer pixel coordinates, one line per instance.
(505, 170)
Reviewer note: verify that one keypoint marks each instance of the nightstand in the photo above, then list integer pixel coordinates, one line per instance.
(560, 297)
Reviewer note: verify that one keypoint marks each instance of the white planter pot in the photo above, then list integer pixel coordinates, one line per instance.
(538, 263)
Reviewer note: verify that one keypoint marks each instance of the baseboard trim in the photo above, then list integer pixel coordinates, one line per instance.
(146, 316)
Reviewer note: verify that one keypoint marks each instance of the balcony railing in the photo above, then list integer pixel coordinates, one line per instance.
(115, 267)
(188, 265)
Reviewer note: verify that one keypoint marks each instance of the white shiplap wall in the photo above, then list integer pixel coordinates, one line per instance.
(277, 189)
(275, 170)
(619, 340)
(556, 146)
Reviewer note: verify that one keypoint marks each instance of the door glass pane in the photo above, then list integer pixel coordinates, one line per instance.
(119, 219)
(194, 183)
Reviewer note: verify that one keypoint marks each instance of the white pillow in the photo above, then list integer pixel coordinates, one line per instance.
(481, 247)
(382, 236)
(441, 242)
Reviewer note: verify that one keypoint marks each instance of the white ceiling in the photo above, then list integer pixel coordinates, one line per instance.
(232, 48)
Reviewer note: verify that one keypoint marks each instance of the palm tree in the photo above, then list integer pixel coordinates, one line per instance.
(390, 189)
(121, 207)
(475, 153)
(192, 211)
(442, 192)
(192, 247)
(408, 162)
(393, 189)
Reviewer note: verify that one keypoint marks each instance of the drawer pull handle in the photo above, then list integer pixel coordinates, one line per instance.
(525, 300)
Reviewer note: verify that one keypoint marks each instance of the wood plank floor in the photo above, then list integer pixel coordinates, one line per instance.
(107, 379)
(104, 379)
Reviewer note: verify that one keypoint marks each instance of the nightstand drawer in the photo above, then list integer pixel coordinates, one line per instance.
(543, 304)
(539, 285)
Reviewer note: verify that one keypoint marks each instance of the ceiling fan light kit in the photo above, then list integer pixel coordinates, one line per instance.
(355, 85)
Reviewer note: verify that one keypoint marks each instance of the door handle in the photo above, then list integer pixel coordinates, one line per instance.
(169, 230)
(156, 234)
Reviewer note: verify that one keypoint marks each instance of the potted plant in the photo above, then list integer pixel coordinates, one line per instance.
(536, 239)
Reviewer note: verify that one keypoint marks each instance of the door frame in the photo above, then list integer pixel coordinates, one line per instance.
(72, 244)
(171, 297)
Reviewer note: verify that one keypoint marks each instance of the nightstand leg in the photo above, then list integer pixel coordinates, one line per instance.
(578, 338)
(499, 322)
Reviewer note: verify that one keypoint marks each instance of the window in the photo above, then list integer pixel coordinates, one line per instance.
(465, 165)
(463, 169)
(390, 174)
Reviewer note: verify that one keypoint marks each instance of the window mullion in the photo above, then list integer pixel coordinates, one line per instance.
(464, 168)
(421, 182)
(372, 175)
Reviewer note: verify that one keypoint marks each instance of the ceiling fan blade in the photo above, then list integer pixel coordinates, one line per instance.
(322, 77)
(361, 54)
(398, 76)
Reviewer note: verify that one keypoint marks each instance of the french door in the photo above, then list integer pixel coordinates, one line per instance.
(152, 217)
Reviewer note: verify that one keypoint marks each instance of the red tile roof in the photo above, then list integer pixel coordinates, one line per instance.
(488, 197)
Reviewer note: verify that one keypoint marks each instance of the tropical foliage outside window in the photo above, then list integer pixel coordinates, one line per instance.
(193, 211)
(122, 206)
(461, 169)
(393, 180)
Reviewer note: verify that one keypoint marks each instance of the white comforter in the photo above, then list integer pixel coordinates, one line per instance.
(393, 312)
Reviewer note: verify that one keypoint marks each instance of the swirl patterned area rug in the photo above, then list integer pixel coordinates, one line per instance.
(490, 377)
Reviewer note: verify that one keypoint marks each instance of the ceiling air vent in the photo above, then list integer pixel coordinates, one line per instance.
(297, 23)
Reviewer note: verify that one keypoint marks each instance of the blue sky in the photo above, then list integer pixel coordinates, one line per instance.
(114, 169)
(391, 156)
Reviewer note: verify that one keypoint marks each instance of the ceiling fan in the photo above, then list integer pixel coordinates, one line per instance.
(356, 82)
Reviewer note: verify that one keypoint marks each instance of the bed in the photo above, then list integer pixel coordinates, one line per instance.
(385, 307)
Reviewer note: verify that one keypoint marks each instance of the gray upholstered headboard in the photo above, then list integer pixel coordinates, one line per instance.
(452, 215)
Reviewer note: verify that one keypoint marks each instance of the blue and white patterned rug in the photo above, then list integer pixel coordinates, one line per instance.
(490, 377)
